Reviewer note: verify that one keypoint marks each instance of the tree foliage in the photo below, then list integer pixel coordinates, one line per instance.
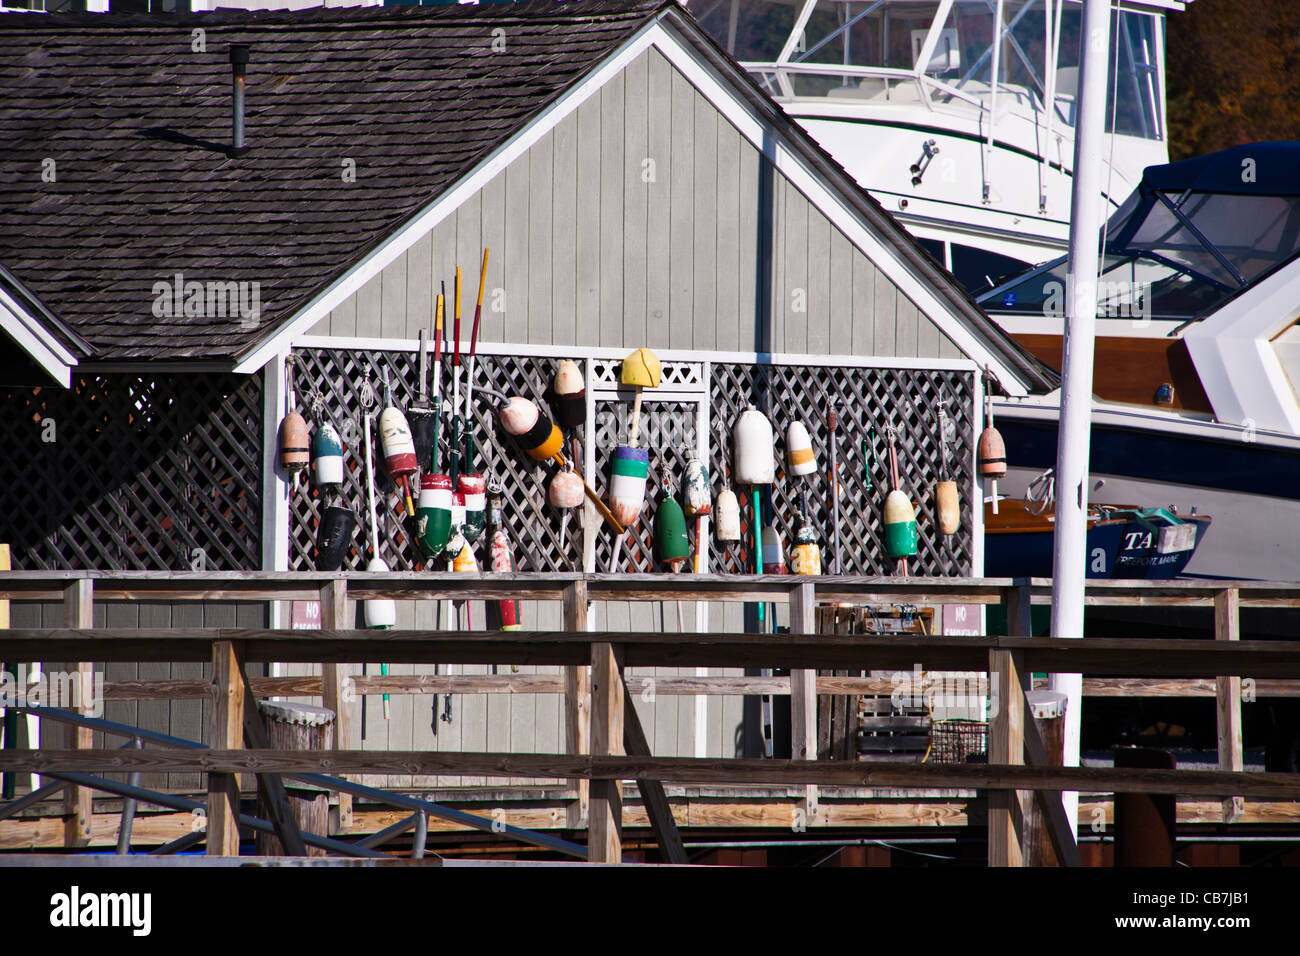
(1233, 74)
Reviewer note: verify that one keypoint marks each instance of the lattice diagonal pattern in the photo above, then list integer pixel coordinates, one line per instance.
(127, 472)
(866, 400)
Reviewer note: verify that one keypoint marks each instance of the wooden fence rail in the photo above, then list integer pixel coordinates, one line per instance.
(601, 729)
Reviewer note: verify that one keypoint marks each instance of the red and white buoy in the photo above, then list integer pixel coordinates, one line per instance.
(295, 452)
(398, 444)
(566, 493)
(501, 557)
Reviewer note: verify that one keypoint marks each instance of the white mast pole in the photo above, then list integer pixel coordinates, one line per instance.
(1074, 434)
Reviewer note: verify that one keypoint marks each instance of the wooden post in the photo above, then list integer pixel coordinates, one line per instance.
(336, 685)
(227, 733)
(605, 812)
(1145, 823)
(279, 725)
(78, 612)
(577, 700)
(1006, 746)
(1227, 627)
(1020, 621)
(1044, 746)
(803, 691)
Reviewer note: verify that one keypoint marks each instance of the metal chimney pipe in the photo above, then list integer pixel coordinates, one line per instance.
(238, 65)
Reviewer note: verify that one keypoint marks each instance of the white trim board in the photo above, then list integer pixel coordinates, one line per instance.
(741, 114)
(372, 344)
(32, 338)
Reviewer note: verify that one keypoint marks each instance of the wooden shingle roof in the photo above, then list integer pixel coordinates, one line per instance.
(132, 121)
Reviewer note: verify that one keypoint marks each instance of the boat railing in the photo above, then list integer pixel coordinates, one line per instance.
(604, 740)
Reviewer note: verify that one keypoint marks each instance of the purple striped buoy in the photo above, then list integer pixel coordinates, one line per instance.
(628, 473)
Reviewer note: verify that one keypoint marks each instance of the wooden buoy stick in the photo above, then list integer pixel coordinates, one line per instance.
(832, 424)
(469, 374)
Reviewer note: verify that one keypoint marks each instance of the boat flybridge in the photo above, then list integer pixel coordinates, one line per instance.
(967, 141)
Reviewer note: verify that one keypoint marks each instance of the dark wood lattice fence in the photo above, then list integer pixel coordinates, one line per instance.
(127, 472)
(867, 399)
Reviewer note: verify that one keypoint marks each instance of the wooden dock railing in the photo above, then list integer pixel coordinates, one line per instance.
(604, 740)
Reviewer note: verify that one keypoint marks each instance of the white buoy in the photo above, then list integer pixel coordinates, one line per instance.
(755, 448)
(379, 612)
(799, 457)
(726, 516)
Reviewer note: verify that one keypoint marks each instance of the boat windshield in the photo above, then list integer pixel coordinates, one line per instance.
(901, 52)
(1170, 256)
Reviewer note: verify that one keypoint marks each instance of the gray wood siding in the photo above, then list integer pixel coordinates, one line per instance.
(642, 220)
(182, 718)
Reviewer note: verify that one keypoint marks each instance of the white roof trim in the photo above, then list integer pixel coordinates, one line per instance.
(741, 114)
(1233, 353)
(34, 339)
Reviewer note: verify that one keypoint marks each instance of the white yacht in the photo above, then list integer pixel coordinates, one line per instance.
(902, 94)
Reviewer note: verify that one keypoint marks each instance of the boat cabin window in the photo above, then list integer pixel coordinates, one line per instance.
(897, 52)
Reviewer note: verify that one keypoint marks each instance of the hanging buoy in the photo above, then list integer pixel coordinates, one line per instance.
(566, 490)
(991, 453)
(501, 557)
(456, 533)
(799, 457)
(471, 489)
(334, 537)
(566, 493)
(696, 485)
(900, 525)
(671, 544)
(754, 448)
(327, 457)
(434, 514)
(629, 469)
(948, 505)
(726, 516)
(294, 450)
(570, 395)
(807, 558)
(537, 435)
(379, 612)
(398, 445)
(773, 555)
(699, 504)
(465, 562)
(541, 439)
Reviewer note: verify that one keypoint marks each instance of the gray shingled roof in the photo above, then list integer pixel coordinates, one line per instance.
(416, 96)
